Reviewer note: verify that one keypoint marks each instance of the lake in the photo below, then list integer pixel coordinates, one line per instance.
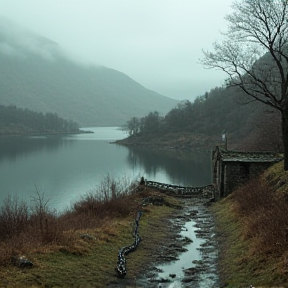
(66, 167)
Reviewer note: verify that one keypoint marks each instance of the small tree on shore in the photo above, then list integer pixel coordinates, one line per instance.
(254, 54)
(133, 126)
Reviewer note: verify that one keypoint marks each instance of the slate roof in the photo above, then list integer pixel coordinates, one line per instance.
(236, 156)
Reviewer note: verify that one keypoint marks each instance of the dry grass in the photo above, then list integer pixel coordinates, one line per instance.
(83, 243)
(264, 214)
(24, 228)
(255, 224)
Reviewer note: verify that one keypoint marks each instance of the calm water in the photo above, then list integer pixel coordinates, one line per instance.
(66, 167)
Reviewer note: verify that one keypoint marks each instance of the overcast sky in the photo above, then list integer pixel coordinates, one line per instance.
(158, 43)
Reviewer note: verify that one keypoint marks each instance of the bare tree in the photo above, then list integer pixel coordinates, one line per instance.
(254, 54)
(133, 126)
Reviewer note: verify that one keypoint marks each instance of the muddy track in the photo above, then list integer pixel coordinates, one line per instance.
(202, 272)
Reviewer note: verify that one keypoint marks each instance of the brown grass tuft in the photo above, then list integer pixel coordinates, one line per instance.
(24, 228)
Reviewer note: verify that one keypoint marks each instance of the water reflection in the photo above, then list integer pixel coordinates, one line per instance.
(182, 167)
(68, 166)
(185, 259)
(13, 146)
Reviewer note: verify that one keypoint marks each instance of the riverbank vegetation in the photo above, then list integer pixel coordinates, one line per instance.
(252, 227)
(254, 57)
(79, 247)
(20, 121)
(200, 124)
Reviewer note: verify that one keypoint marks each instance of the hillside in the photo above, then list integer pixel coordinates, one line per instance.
(252, 232)
(252, 126)
(36, 74)
(20, 121)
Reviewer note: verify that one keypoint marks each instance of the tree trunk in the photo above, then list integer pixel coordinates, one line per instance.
(285, 136)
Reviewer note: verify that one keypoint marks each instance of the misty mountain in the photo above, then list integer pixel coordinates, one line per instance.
(36, 74)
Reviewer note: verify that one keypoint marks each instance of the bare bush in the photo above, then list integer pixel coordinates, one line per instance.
(111, 188)
(43, 219)
(110, 197)
(14, 217)
(25, 227)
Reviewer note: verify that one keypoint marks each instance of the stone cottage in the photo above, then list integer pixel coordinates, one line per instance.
(231, 168)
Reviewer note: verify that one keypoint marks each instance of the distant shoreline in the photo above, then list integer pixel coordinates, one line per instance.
(180, 140)
(25, 133)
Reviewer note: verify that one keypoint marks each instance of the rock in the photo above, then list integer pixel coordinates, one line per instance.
(86, 236)
(21, 261)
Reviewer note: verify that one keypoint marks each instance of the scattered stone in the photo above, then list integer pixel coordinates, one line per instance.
(194, 212)
(86, 236)
(21, 261)
(169, 258)
(197, 262)
(187, 240)
(158, 270)
(189, 279)
(177, 247)
(191, 271)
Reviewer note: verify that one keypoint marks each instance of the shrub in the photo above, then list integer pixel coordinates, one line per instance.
(112, 197)
(14, 217)
(25, 227)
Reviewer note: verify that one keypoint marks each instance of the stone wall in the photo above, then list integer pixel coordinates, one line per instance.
(233, 168)
(237, 173)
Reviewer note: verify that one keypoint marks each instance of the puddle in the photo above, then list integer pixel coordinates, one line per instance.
(174, 271)
(192, 264)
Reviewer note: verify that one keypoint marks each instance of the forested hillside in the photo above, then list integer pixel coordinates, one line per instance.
(247, 125)
(35, 74)
(15, 120)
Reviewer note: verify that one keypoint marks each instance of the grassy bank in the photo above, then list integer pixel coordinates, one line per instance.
(252, 227)
(79, 247)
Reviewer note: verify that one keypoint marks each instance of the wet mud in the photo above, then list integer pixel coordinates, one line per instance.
(187, 257)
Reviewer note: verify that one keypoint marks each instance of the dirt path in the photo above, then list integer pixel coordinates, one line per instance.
(200, 254)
